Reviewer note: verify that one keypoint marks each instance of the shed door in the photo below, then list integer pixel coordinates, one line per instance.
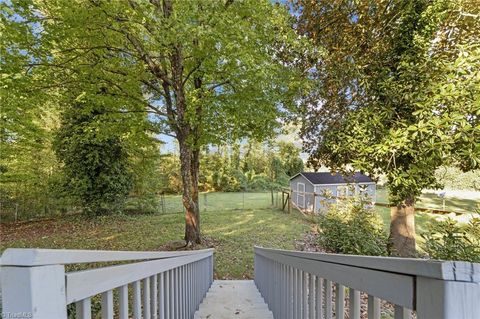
(301, 195)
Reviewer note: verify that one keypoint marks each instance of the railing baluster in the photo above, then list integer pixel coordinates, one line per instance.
(123, 302)
(107, 305)
(354, 303)
(179, 293)
(174, 287)
(190, 291)
(311, 296)
(291, 290)
(161, 296)
(168, 311)
(184, 291)
(373, 307)
(319, 296)
(153, 297)
(339, 301)
(304, 295)
(298, 289)
(84, 309)
(328, 299)
(285, 281)
(146, 298)
(401, 312)
(137, 304)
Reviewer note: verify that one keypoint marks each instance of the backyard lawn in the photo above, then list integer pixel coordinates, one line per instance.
(232, 233)
(232, 223)
(433, 201)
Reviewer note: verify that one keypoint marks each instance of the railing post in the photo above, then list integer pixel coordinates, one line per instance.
(442, 299)
(36, 292)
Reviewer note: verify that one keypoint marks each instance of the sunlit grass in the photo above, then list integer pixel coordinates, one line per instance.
(232, 232)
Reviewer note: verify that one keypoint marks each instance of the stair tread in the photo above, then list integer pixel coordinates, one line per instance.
(233, 299)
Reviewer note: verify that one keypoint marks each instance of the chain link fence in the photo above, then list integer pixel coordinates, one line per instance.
(161, 204)
(219, 201)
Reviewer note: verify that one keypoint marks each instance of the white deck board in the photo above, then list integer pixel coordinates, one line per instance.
(233, 299)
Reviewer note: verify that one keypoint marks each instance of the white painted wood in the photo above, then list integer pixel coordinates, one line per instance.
(373, 307)
(304, 295)
(83, 309)
(339, 301)
(234, 299)
(447, 270)
(176, 290)
(154, 297)
(39, 257)
(311, 296)
(319, 297)
(354, 300)
(374, 282)
(38, 292)
(447, 299)
(123, 302)
(137, 300)
(401, 312)
(291, 294)
(83, 284)
(107, 305)
(161, 296)
(146, 298)
(328, 299)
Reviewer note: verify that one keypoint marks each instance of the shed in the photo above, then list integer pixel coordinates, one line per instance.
(312, 191)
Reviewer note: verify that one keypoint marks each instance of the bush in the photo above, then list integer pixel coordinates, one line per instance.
(353, 229)
(449, 240)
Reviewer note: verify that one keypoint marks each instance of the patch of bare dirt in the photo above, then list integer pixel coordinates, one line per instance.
(175, 245)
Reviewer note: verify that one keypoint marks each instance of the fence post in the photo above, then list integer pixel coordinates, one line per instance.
(442, 299)
(36, 292)
(205, 200)
(290, 201)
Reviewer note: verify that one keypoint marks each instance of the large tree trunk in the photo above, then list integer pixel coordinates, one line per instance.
(189, 160)
(402, 229)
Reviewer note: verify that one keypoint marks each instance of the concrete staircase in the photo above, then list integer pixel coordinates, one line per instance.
(233, 299)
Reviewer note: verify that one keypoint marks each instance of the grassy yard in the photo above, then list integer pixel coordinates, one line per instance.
(431, 200)
(232, 223)
(232, 233)
(426, 200)
(218, 201)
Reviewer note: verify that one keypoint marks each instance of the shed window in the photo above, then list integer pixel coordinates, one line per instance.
(342, 192)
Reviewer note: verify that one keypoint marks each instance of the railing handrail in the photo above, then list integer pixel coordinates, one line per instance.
(43, 257)
(292, 283)
(437, 269)
(86, 283)
(162, 284)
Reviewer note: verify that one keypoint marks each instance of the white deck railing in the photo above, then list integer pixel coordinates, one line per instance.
(312, 285)
(160, 284)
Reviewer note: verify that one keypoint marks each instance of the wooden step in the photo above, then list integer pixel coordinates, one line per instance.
(233, 299)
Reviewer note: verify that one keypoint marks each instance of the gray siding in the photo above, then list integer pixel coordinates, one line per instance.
(296, 196)
(322, 203)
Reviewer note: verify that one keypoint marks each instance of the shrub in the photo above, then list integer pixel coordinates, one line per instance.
(449, 240)
(353, 228)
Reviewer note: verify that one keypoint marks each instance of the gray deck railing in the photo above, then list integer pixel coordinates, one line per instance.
(313, 285)
(160, 284)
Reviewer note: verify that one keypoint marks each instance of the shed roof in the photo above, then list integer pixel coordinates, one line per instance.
(329, 178)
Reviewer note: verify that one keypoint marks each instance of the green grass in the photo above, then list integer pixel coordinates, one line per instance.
(233, 234)
(426, 200)
(231, 222)
(433, 201)
(219, 201)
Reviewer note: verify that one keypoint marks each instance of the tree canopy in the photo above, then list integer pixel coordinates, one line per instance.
(398, 90)
(204, 72)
